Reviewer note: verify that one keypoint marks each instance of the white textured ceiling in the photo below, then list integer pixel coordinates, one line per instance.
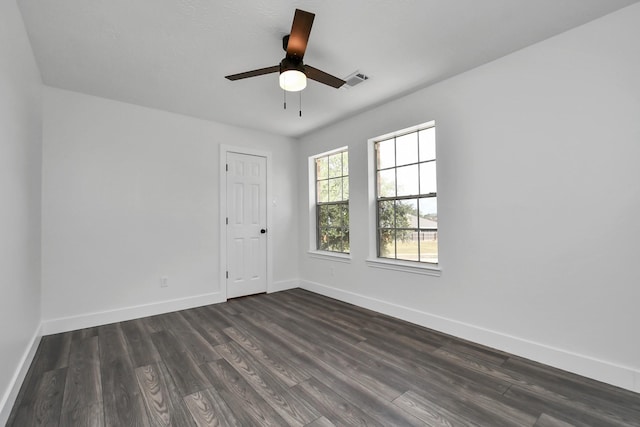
(173, 54)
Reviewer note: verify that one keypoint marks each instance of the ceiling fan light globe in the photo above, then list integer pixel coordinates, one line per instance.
(293, 80)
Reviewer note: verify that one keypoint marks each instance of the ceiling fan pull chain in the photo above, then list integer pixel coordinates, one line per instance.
(284, 93)
(300, 103)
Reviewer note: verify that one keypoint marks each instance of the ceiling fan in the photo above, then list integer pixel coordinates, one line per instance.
(293, 72)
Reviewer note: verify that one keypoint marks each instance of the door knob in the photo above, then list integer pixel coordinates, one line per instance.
(262, 231)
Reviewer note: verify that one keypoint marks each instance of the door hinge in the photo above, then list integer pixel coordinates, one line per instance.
(227, 167)
(227, 274)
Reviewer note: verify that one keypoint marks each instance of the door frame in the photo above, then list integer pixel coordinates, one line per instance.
(224, 149)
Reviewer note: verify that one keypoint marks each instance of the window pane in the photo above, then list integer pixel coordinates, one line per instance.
(345, 239)
(334, 215)
(345, 188)
(332, 191)
(386, 214)
(387, 183)
(329, 215)
(428, 212)
(386, 154)
(323, 241)
(407, 245)
(344, 215)
(407, 180)
(331, 239)
(427, 139)
(406, 174)
(323, 216)
(428, 178)
(322, 168)
(335, 190)
(429, 246)
(345, 163)
(406, 213)
(407, 149)
(387, 242)
(335, 165)
(323, 191)
(335, 239)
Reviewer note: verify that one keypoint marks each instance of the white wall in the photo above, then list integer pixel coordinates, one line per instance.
(131, 194)
(539, 199)
(20, 154)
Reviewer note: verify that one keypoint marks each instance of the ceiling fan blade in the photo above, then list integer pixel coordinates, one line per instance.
(254, 73)
(299, 36)
(322, 77)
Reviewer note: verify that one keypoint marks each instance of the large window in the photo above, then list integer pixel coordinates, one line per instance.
(406, 196)
(332, 201)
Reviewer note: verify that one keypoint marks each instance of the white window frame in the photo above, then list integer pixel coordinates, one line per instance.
(387, 263)
(313, 251)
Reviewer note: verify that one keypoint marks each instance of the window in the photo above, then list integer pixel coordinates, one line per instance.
(332, 201)
(406, 195)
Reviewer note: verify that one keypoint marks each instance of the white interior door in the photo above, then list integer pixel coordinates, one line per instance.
(246, 224)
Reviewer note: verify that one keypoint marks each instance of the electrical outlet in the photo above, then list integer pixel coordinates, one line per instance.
(164, 281)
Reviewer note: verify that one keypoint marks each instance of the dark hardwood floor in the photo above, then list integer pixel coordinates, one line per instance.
(300, 359)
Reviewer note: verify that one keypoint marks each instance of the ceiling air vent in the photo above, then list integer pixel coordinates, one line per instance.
(355, 79)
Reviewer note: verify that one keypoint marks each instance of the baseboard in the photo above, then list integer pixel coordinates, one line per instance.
(283, 285)
(600, 370)
(11, 393)
(71, 323)
(88, 320)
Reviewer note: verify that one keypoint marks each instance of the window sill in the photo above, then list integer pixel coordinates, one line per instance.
(405, 266)
(330, 256)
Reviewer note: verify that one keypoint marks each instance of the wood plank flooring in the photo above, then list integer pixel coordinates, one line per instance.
(295, 358)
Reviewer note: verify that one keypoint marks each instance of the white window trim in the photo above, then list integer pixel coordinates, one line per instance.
(330, 256)
(406, 266)
(387, 263)
(313, 252)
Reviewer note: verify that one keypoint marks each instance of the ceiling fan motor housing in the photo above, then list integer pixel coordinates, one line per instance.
(291, 63)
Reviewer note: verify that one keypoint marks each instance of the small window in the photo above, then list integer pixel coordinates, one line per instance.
(406, 195)
(332, 201)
